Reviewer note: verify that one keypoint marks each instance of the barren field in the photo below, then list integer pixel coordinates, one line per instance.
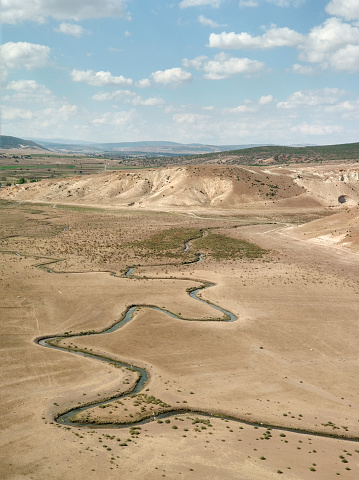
(265, 388)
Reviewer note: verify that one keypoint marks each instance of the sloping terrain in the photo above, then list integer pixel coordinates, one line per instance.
(341, 229)
(201, 186)
(8, 142)
(277, 155)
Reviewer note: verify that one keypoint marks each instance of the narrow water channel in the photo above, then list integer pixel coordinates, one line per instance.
(65, 418)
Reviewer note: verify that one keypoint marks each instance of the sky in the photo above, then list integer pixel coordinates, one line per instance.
(220, 72)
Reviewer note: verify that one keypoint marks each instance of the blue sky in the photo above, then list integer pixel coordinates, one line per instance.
(207, 71)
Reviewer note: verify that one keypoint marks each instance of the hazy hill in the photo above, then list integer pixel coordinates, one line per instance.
(7, 143)
(138, 149)
(270, 155)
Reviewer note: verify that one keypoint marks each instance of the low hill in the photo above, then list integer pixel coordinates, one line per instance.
(201, 187)
(11, 143)
(136, 149)
(341, 229)
(267, 155)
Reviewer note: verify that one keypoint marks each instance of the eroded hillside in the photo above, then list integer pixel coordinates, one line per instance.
(201, 187)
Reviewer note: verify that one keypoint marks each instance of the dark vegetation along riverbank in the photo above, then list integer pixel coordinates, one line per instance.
(134, 406)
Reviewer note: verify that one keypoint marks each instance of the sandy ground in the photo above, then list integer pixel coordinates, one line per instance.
(290, 359)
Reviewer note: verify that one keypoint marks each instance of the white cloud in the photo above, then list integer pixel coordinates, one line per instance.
(344, 108)
(278, 3)
(286, 3)
(144, 83)
(207, 22)
(172, 76)
(250, 106)
(325, 42)
(13, 113)
(190, 118)
(62, 113)
(302, 69)
(115, 118)
(332, 45)
(248, 3)
(265, 99)
(21, 10)
(223, 66)
(28, 91)
(23, 55)
(99, 79)
(240, 109)
(70, 29)
(274, 37)
(346, 58)
(312, 98)
(348, 9)
(317, 129)
(126, 96)
(199, 3)
(47, 116)
(196, 62)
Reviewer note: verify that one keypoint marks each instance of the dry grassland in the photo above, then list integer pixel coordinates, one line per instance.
(289, 361)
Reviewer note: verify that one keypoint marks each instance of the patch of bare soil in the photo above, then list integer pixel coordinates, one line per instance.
(289, 360)
(201, 186)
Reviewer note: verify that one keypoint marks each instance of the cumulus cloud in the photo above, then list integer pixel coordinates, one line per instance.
(13, 113)
(199, 3)
(265, 99)
(240, 109)
(144, 83)
(248, 3)
(64, 112)
(99, 79)
(331, 43)
(190, 118)
(70, 29)
(317, 129)
(48, 116)
(348, 9)
(278, 3)
(250, 106)
(126, 96)
(28, 91)
(23, 54)
(196, 62)
(302, 69)
(172, 76)
(223, 66)
(346, 58)
(22, 10)
(115, 118)
(312, 98)
(207, 22)
(274, 37)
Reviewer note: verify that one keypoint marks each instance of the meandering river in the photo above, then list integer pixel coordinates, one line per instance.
(66, 417)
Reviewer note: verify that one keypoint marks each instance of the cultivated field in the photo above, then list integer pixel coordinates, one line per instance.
(266, 387)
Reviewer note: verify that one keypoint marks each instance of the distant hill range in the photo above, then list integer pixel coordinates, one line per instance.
(145, 148)
(277, 155)
(151, 154)
(7, 143)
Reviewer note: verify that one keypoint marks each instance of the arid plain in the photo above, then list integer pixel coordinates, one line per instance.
(280, 251)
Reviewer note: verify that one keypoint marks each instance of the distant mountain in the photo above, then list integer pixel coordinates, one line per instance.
(144, 148)
(66, 141)
(7, 142)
